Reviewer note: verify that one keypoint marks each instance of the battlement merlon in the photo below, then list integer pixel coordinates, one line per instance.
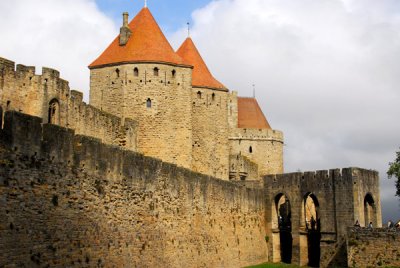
(25, 70)
(350, 172)
(5, 63)
(257, 135)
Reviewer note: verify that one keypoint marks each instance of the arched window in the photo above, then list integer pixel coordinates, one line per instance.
(156, 71)
(136, 72)
(148, 103)
(213, 96)
(54, 112)
(250, 149)
(173, 73)
(198, 94)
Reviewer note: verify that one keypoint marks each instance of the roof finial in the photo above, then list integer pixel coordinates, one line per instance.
(188, 24)
(145, 3)
(254, 91)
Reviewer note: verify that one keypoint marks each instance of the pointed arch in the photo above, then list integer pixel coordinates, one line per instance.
(281, 219)
(54, 112)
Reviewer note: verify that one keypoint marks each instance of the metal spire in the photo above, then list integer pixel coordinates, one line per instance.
(145, 3)
(254, 91)
(188, 24)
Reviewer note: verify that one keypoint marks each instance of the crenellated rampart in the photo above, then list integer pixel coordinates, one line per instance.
(68, 200)
(49, 97)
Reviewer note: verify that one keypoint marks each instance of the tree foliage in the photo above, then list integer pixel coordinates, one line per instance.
(394, 171)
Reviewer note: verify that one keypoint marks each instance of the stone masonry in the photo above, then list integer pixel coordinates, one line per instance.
(68, 200)
(158, 96)
(377, 247)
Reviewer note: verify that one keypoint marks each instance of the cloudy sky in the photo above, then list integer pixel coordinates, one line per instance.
(326, 72)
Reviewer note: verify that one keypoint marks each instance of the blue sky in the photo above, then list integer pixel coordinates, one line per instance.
(171, 15)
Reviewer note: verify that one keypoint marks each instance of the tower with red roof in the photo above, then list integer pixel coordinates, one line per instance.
(139, 76)
(185, 115)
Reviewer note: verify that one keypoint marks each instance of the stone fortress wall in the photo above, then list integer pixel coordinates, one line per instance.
(50, 98)
(67, 200)
(373, 247)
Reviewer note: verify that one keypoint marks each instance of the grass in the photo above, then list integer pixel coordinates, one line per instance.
(273, 265)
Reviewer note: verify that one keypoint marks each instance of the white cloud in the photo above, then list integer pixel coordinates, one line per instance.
(63, 34)
(326, 72)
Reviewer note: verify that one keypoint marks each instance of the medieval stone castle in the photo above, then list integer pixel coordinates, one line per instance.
(164, 167)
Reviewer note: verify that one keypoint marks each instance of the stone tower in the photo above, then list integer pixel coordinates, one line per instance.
(139, 76)
(210, 116)
(255, 148)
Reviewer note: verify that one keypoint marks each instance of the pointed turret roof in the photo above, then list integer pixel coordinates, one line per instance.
(250, 114)
(147, 43)
(201, 76)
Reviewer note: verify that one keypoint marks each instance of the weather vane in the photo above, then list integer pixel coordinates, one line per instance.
(188, 24)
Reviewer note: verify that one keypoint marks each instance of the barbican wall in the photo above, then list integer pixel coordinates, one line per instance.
(68, 200)
(210, 132)
(339, 196)
(373, 247)
(21, 89)
(159, 100)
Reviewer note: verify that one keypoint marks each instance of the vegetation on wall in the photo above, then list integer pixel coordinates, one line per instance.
(394, 171)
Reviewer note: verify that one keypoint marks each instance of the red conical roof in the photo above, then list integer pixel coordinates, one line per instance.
(201, 76)
(250, 114)
(147, 43)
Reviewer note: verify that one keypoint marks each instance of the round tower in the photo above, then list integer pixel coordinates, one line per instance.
(210, 116)
(139, 76)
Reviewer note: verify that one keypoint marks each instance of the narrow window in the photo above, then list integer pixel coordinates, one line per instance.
(136, 72)
(54, 112)
(173, 73)
(117, 72)
(250, 149)
(148, 103)
(156, 71)
(213, 96)
(198, 94)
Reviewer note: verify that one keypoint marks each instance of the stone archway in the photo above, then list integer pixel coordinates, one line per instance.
(54, 112)
(312, 224)
(282, 215)
(369, 210)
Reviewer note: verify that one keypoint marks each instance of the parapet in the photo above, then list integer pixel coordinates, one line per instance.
(6, 64)
(257, 134)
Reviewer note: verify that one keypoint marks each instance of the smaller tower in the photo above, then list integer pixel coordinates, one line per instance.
(255, 148)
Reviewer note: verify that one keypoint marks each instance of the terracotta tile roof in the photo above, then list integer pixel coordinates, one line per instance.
(146, 44)
(250, 114)
(201, 76)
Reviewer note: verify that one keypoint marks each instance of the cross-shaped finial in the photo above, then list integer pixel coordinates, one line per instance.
(145, 3)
